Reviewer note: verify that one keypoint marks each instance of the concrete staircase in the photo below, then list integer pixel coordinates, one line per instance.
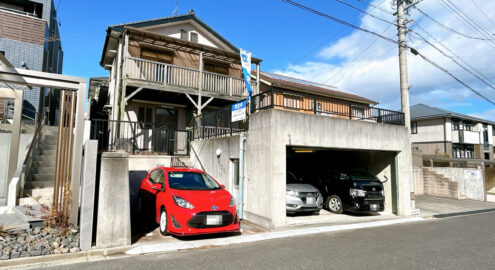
(39, 184)
(436, 184)
(181, 161)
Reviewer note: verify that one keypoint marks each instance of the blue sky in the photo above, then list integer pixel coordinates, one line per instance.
(296, 43)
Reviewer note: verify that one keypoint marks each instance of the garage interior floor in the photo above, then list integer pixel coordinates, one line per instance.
(326, 217)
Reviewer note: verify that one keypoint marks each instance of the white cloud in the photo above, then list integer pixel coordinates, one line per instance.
(374, 73)
(488, 115)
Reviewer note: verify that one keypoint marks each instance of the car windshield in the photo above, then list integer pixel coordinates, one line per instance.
(361, 174)
(191, 181)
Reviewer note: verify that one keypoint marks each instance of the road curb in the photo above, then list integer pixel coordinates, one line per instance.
(464, 213)
(88, 254)
(176, 246)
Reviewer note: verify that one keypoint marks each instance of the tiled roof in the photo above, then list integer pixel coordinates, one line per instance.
(422, 111)
(306, 86)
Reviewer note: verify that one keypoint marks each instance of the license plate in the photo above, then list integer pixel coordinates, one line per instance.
(374, 207)
(213, 220)
(310, 200)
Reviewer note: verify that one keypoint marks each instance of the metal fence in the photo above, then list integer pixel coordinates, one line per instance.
(139, 137)
(306, 103)
(217, 124)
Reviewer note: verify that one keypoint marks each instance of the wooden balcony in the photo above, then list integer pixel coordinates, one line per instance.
(177, 77)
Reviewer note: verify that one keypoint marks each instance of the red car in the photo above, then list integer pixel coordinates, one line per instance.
(189, 202)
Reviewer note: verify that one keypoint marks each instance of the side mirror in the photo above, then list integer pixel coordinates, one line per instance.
(386, 179)
(157, 187)
(222, 186)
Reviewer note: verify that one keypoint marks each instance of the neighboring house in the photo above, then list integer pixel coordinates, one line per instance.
(445, 133)
(163, 72)
(30, 38)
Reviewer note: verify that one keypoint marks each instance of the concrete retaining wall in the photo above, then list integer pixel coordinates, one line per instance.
(419, 188)
(470, 181)
(24, 143)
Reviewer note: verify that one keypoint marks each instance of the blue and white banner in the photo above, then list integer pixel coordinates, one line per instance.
(246, 69)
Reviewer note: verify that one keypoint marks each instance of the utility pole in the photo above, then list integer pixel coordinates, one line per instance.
(404, 83)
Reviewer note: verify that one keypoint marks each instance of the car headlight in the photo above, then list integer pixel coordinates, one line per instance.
(232, 201)
(357, 192)
(292, 192)
(182, 203)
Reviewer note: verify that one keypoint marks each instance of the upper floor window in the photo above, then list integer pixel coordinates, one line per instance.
(194, 37)
(467, 126)
(155, 55)
(414, 127)
(215, 67)
(292, 101)
(184, 35)
(455, 124)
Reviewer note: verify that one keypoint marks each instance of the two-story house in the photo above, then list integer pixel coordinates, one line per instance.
(163, 72)
(436, 131)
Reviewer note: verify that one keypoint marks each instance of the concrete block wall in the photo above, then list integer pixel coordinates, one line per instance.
(470, 181)
(419, 186)
(437, 185)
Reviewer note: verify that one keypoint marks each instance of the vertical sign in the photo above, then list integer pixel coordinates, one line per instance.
(246, 69)
(239, 111)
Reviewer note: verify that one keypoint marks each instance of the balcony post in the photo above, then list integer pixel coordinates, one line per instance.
(257, 78)
(200, 83)
(230, 86)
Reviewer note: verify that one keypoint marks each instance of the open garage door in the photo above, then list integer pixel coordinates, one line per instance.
(349, 182)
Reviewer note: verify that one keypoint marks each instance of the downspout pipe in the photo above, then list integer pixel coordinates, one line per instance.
(240, 209)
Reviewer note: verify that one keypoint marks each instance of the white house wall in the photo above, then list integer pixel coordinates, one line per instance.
(174, 31)
(431, 130)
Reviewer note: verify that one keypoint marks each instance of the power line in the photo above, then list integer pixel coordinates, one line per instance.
(466, 20)
(451, 52)
(482, 12)
(414, 51)
(365, 12)
(338, 20)
(376, 7)
(455, 61)
(448, 28)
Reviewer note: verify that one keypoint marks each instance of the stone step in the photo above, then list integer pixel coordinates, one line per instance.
(37, 193)
(13, 222)
(32, 201)
(31, 214)
(45, 157)
(48, 152)
(43, 169)
(46, 146)
(38, 184)
(43, 162)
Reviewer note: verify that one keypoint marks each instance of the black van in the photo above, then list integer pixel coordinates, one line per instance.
(353, 190)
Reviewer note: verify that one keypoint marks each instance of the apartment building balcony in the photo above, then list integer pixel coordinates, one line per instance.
(162, 76)
(466, 137)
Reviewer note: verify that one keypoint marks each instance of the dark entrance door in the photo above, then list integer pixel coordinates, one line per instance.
(166, 120)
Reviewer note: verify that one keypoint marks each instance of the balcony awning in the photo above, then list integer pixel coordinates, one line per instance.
(182, 45)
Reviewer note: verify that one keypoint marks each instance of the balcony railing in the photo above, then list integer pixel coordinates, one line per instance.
(171, 75)
(305, 103)
(138, 137)
(216, 124)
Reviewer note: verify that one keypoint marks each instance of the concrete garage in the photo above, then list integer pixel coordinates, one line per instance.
(384, 148)
(314, 166)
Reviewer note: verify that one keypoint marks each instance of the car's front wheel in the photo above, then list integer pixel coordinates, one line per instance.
(163, 222)
(334, 204)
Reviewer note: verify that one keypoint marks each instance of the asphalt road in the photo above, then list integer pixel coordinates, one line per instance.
(464, 242)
